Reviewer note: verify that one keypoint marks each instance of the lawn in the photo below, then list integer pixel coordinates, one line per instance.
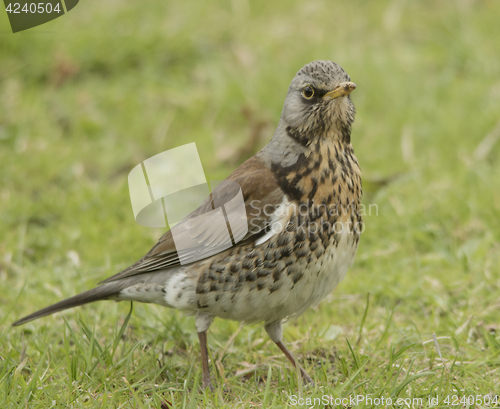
(88, 96)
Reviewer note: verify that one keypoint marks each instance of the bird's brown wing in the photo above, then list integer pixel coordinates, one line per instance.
(261, 195)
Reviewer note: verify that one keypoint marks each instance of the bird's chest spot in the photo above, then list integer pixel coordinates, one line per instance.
(328, 172)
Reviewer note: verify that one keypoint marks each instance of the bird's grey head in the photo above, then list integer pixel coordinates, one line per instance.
(318, 103)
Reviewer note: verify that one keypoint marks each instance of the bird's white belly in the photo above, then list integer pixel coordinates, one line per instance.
(320, 277)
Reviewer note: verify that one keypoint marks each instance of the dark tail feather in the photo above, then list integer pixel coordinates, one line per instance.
(99, 293)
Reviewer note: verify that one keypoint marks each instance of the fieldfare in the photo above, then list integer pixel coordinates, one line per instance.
(302, 200)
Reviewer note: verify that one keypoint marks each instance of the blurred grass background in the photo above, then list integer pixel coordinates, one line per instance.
(85, 98)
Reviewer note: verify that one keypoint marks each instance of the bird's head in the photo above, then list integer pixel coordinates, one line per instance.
(318, 103)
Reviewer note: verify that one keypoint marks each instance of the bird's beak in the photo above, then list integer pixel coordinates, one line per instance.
(341, 90)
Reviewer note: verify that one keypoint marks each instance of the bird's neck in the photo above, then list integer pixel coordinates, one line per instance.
(323, 170)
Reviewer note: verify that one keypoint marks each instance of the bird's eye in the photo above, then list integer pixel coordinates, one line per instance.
(308, 92)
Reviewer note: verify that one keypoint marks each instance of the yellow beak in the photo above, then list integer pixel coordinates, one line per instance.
(341, 90)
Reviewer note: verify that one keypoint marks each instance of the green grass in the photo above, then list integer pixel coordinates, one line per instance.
(85, 98)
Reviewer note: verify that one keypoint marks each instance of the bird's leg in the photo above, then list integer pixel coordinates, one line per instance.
(288, 354)
(275, 332)
(202, 323)
(204, 361)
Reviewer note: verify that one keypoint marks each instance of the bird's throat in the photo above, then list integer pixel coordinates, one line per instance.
(327, 172)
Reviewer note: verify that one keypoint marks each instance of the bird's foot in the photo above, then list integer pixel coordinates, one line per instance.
(306, 378)
(207, 384)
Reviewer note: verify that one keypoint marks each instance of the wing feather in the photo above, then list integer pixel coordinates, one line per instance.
(261, 195)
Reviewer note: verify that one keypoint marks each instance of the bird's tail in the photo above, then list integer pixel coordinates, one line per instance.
(102, 292)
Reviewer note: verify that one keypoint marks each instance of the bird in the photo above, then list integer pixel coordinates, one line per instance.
(302, 199)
